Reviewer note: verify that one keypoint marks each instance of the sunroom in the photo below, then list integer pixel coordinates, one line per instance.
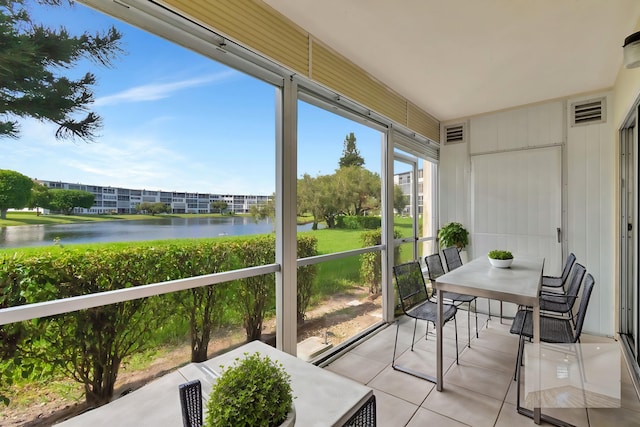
(516, 119)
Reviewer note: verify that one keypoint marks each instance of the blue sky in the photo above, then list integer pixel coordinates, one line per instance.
(176, 121)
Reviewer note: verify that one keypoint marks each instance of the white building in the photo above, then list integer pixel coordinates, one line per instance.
(124, 200)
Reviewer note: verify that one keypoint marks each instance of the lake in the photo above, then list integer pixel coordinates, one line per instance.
(133, 230)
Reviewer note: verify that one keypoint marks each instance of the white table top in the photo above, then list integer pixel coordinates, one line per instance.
(519, 283)
(322, 398)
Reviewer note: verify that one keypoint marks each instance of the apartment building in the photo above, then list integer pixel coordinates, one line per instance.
(125, 200)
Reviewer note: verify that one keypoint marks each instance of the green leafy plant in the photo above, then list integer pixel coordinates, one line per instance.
(254, 391)
(498, 254)
(453, 234)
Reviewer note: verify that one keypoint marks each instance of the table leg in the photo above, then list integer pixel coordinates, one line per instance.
(536, 339)
(439, 379)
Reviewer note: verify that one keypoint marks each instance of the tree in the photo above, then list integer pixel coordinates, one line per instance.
(357, 190)
(40, 197)
(400, 200)
(65, 200)
(15, 190)
(219, 205)
(350, 154)
(153, 208)
(32, 56)
(263, 210)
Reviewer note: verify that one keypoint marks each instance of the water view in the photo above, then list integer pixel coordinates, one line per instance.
(135, 230)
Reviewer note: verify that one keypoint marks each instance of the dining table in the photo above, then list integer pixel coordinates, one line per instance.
(519, 284)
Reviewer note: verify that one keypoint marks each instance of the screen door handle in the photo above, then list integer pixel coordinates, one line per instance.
(559, 233)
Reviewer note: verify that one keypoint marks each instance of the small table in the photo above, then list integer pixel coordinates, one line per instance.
(519, 284)
(322, 398)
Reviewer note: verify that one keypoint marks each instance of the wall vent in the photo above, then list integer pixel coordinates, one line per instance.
(588, 112)
(454, 134)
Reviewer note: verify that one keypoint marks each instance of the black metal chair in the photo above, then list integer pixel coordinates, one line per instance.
(366, 415)
(452, 258)
(415, 302)
(562, 304)
(557, 282)
(552, 329)
(435, 270)
(191, 403)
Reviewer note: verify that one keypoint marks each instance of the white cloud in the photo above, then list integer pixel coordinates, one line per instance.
(155, 91)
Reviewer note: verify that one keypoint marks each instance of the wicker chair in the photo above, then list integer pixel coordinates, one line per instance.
(435, 270)
(415, 301)
(557, 282)
(191, 403)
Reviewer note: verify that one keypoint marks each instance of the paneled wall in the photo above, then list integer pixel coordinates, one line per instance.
(590, 212)
(495, 143)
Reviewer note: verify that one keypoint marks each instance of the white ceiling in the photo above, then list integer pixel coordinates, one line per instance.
(456, 58)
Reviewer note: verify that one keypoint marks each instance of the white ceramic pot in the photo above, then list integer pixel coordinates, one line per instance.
(501, 263)
(291, 418)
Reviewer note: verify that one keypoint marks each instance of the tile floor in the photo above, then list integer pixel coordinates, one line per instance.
(479, 391)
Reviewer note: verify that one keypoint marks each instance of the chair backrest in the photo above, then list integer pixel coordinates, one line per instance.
(434, 266)
(412, 289)
(191, 403)
(571, 259)
(584, 302)
(452, 258)
(574, 284)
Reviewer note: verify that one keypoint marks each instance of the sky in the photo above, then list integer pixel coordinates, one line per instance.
(175, 121)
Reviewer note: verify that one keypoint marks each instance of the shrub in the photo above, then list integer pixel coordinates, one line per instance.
(358, 222)
(371, 263)
(253, 392)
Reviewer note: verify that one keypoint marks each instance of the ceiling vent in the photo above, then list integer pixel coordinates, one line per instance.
(454, 134)
(588, 112)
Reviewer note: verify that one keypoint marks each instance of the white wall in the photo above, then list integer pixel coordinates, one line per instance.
(589, 168)
(591, 201)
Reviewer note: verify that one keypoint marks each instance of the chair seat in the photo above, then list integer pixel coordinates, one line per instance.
(552, 329)
(428, 311)
(454, 296)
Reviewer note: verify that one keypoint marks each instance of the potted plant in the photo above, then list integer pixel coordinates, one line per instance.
(254, 391)
(500, 259)
(453, 234)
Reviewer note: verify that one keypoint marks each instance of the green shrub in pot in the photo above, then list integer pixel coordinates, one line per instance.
(253, 392)
(453, 234)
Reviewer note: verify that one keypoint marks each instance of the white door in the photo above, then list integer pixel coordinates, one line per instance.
(517, 204)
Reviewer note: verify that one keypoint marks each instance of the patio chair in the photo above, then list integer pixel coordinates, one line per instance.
(415, 302)
(366, 415)
(435, 270)
(562, 304)
(452, 258)
(557, 282)
(552, 329)
(191, 403)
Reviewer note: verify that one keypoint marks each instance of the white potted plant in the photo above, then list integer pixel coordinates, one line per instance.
(254, 392)
(501, 259)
